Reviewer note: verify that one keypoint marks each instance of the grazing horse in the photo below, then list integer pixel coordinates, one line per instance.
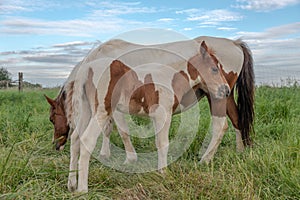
(235, 60)
(111, 87)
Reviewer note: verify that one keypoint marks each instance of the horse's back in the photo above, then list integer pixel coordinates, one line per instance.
(175, 53)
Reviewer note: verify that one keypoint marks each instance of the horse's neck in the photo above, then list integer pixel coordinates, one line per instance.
(67, 102)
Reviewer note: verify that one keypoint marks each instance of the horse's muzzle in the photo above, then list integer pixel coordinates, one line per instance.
(224, 91)
(60, 143)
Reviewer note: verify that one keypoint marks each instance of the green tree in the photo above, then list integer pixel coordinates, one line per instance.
(4, 74)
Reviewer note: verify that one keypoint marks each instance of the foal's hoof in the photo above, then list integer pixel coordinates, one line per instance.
(104, 156)
(72, 185)
(81, 191)
(71, 188)
(204, 161)
(130, 158)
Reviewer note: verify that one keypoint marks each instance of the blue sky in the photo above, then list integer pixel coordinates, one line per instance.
(45, 39)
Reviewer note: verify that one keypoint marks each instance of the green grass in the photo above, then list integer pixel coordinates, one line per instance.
(31, 169)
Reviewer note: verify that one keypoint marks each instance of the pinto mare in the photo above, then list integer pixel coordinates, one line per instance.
(112, 88)
(235, 60)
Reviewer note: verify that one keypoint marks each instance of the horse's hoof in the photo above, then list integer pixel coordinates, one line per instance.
(82, 191)
(72, 188)
(204, 161)
(72, 185)
(104, 156)
(130, 158)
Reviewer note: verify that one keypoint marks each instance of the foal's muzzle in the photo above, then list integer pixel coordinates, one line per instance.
(224, 91)
(60, 143)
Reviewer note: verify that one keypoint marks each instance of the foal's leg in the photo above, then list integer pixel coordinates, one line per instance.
(218, 110)
(105, 149)
(232, 113)
(162, 122)
(123, 131)
(75, 142)
(88, 142)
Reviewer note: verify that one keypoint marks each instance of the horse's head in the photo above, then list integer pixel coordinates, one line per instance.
(204, 66)
(59, 120)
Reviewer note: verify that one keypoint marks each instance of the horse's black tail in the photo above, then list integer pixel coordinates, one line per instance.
(245, 87)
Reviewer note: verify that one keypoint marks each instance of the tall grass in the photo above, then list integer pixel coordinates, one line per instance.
(31, 169)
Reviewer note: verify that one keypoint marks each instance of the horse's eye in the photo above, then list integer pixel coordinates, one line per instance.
(215, 69)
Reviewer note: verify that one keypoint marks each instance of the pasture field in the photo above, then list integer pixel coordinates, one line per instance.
(30, 168)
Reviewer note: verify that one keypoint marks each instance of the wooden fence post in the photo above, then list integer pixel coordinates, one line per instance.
(20, 81)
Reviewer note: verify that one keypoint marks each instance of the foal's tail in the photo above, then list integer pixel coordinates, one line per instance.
(245, 88)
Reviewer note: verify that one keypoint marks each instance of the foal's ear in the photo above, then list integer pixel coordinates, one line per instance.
(203, 48)
(50, 101)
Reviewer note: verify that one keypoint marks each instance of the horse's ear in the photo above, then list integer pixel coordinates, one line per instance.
(203, 48)
(50, 101)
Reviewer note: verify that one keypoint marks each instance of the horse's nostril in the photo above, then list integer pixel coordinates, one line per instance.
(227, 91)
(224, 91)
(57, 146)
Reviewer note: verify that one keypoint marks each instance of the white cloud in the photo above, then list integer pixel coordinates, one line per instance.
(212, 17)
(104, 17)
(219, 15)
(108, 8)
(274, 32)
(75, 27)
(165, 20)
(48, 66)
(187, 29)
(265, 5)
(72, 44)
(276, 53)
(17, 6)
(226, 29)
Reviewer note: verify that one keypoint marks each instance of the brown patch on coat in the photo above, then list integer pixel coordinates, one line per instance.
(193, 72)
(180, 85)
(117, 71)
(91, 92)
(230, 77)
(145, 97)
(151, 96)
(232, 111)
(69, 96)
(217, 106)
(124, 81)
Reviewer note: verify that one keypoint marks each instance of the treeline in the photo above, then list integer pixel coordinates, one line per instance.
(7, 82)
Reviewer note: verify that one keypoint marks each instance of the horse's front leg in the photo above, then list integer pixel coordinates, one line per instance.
(74, 148)
(88, 142)
(219, 123)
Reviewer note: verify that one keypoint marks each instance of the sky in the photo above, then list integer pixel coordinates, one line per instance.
(45, 39)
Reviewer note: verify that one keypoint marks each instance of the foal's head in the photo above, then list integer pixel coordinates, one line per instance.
(205, 66)
(59, 120)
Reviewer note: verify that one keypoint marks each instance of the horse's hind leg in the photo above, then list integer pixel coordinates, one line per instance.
(123, 131)
(105, 148)
(232, 113)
